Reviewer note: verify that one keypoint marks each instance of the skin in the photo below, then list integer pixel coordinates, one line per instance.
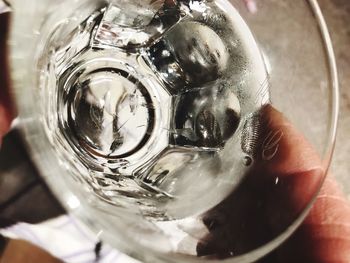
(19, 251)
(324, 236)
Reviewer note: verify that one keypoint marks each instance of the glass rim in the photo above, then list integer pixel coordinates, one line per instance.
(272, 244)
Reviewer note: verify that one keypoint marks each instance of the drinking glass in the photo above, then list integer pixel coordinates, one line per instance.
(181, 130)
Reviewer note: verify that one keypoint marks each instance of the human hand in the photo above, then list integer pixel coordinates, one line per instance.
(284, 179)
(323, 237)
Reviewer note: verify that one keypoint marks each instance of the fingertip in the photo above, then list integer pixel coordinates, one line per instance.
(284, 149)
(324, 236)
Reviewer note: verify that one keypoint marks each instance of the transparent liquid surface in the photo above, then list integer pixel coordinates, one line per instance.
(155, 105)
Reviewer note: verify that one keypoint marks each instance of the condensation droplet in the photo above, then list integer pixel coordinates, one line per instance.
(247, 160)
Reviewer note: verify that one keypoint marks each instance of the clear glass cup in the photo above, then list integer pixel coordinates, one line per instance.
(160, 183)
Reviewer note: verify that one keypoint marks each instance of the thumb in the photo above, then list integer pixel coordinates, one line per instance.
(283, 180)
(324, 236)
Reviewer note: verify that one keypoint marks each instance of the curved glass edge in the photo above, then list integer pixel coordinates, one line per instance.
(333, 76)
(255, 254)
(327, 42)
(333, 123)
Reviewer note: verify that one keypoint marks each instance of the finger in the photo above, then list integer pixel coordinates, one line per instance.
(19, 251)
(292, 175)
(324, 237)
(328, 226)
(286, 175)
